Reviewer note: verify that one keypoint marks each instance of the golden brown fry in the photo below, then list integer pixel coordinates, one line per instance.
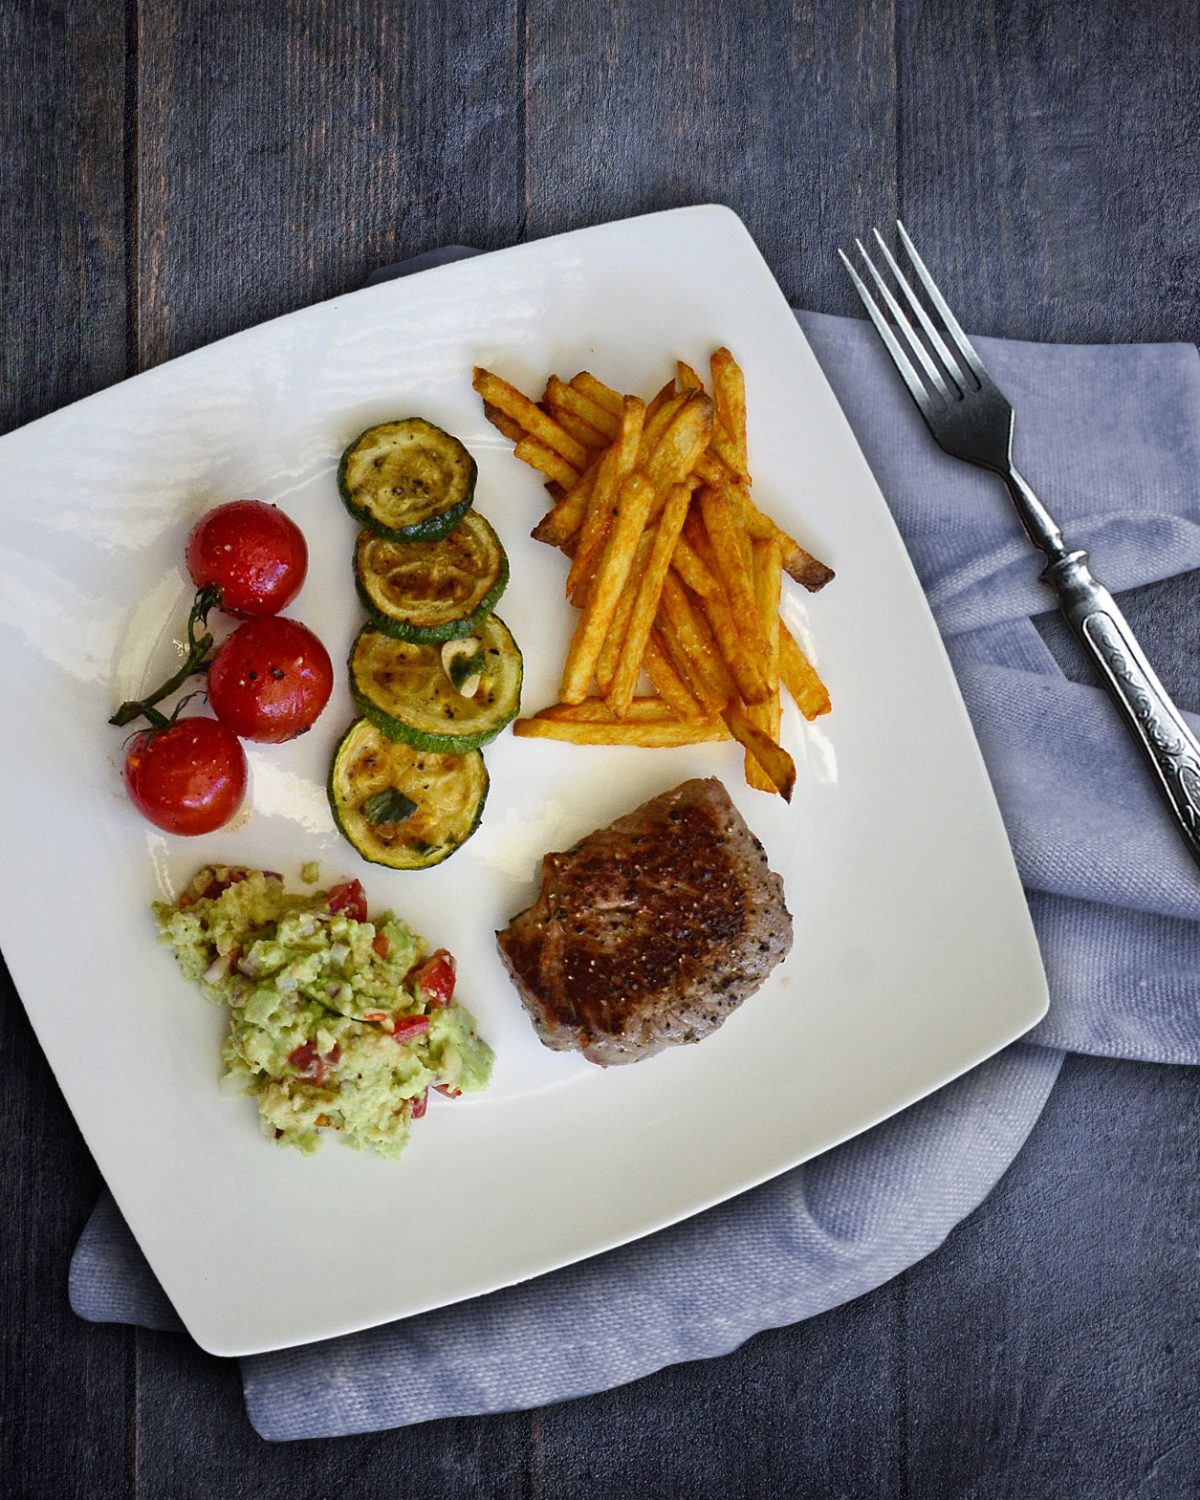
(606, 662)
(680, 443)
(530, 415)
(688, 563)
(662, 673)
(513, 431)
(633, 506)
(538, 456)
(660, 399)
(596, 711)
(767, 567)
(649, 735)
(729, 393)
(739, 634)
(659, 415)
(686, 378)
(603, 395)
(566, 398)
(691, 643)
(559, 525)
(616, 464)
(806, 569)
(800, 677)
(591, 437)
(637, 633)
(771, 756)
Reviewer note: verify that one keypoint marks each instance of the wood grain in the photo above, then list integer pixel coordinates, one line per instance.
(175, 170)
(287, 150)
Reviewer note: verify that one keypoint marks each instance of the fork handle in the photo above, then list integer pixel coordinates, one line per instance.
(1156, 724)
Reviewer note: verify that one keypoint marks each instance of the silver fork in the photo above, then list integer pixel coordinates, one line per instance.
(971, 419)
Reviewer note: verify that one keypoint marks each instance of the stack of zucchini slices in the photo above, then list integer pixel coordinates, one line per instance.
(434, 673)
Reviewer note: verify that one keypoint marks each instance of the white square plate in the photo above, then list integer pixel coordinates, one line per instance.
(914, 957)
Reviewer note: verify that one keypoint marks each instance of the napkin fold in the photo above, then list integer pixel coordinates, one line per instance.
(1110, 437)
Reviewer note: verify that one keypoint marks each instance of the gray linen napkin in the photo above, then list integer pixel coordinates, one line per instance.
(1111, 438)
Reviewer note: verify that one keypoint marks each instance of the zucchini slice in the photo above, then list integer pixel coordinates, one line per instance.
(408, 481)
(410, 691)
(447, 791)
(431, 591)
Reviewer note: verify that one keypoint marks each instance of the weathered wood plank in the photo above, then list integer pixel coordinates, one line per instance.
(784, 112)
(1051, 153)
(65, 1389)
(285, 151)
(62, 187)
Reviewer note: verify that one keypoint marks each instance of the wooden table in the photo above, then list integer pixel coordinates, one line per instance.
(173, 172)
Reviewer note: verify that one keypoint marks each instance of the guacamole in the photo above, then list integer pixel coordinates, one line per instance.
(336, 1022)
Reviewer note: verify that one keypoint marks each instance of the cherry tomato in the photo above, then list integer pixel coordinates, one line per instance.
(253, 553)
(270, 680)
(188, 778)
(350, 898)
(434, 979)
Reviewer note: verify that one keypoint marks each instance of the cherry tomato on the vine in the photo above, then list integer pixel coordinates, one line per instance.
(270, 680)
(253, 553)
(189, 777)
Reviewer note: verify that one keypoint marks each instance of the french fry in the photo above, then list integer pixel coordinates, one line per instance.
(659, 415)
(564, 398)
(513, 431)
(615, 465)
(661, 398)
(729, 393)
(800, 677)
(603, 395)
(606, 662)
(560, 524)
(771, 756)
(680, 443)
(688, 563)
(633, 506)
(591, 437)
(530, 415)
(641, 619)
(662, 673)
(649, 735)
(737, 625)
(686, 378)
(691, 643)
(807, 570)
(767, 567)
(538, 455)
(596, 711)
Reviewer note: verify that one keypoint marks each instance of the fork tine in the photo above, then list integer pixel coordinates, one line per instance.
(912, 380)
(926, 322)
(915, 344)
(961, 341)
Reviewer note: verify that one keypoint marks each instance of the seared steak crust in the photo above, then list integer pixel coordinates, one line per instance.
(650, 932)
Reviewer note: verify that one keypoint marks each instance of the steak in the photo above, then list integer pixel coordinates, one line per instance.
(651, 932)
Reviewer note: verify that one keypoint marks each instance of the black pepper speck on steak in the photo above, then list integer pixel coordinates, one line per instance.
(650, 932)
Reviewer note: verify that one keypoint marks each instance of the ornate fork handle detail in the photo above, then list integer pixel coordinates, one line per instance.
(1159, 728)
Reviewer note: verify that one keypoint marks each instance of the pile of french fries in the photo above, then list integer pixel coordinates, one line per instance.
(675, 571)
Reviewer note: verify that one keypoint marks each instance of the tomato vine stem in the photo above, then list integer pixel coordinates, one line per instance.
(197, 660)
